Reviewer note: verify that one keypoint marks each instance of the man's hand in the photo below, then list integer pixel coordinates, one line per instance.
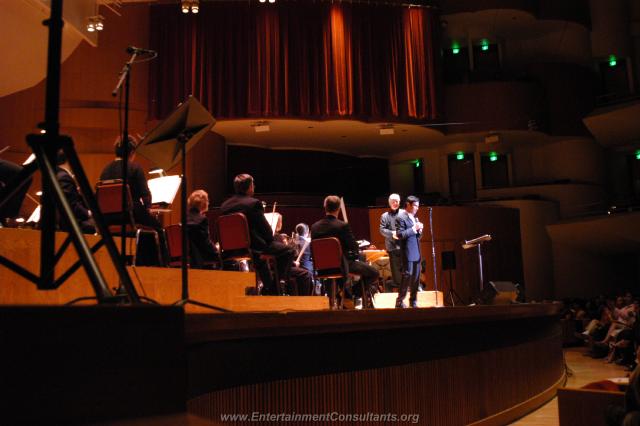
(394, 235)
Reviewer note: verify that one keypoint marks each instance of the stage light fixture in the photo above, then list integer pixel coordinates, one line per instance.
(95, 23)
(263, 1)
(192, 6)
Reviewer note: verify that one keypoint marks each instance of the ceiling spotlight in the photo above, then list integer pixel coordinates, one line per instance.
(263, 1)
(95, 23)
(192, 6)
(272, 1)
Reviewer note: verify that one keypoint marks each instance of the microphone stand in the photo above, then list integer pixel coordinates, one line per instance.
(433, 254)
(125, 78)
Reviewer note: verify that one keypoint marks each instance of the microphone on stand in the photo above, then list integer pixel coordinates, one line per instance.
(140, 50)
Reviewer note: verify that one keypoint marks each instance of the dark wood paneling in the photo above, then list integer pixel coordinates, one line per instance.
(450, 366)
(61, 365)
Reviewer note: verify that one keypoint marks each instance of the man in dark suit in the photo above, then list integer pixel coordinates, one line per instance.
(331, 226)
(391, 241)
(409, 231)
(137, 182)
(202, 249)
(8, 171)
(262, 240)
(141, 199)
(71, 193)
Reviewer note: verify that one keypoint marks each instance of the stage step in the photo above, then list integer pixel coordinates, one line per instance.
(426, 299)
(279, 303)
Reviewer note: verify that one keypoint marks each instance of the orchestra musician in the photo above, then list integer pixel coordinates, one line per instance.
(72, 194)
(302, 277)
(331, 226)
(262, 240)
(302, 240)
(11, 209)
(409, 231)
(202, 250)
(140, 195)
(391, 241)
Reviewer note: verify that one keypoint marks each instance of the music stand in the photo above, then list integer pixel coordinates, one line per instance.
(165, 146)
(477, 242)
(449, 264)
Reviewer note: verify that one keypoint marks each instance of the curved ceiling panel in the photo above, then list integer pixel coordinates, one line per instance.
(23, 43)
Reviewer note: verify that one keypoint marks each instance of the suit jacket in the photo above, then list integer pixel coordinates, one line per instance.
(135, 179)
(200, 242)
(331, 226)
(409, 239)
(70, 189)
(261, 232)
(387, 226)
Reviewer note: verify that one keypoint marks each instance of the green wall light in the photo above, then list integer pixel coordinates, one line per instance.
(612, 60)
(484, 43)
(493, 156)
(459, 155)
(638, 154)
(455, 48)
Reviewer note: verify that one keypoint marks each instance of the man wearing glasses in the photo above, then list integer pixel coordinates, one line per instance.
(409, 231)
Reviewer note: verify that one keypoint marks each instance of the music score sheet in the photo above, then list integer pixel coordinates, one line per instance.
(164, 189)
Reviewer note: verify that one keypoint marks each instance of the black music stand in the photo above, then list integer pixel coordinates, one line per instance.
(477, 242)
(449, 264)
(166, 145)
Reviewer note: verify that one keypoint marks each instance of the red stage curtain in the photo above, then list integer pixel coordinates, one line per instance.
(302, 60)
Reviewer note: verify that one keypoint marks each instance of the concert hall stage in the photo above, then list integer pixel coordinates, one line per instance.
(449, 365)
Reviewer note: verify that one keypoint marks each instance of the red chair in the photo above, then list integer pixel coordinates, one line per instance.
(109, 198)
(174, 244)
(329, 264)
(235, 245)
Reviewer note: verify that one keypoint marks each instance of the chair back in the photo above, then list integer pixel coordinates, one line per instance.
(109, 198)
(212, 218)
(174, 242)
(233, 232)
(327, 255)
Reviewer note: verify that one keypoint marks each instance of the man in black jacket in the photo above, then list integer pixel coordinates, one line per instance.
(262, 240)
(331, 226)
(71, 193)
(409, 231)
(137, 182)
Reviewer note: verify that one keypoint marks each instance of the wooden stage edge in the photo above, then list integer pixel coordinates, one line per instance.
(482, 365)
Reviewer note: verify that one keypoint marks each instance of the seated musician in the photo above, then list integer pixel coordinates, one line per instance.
(73, 196)
(302, 277)
(302, 240)
(262, 240)
(137, 181)
(11, 209)
(141, 199)
(331, 226)
(202, 250)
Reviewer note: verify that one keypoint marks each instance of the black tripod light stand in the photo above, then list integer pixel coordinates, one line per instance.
(45, 147)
